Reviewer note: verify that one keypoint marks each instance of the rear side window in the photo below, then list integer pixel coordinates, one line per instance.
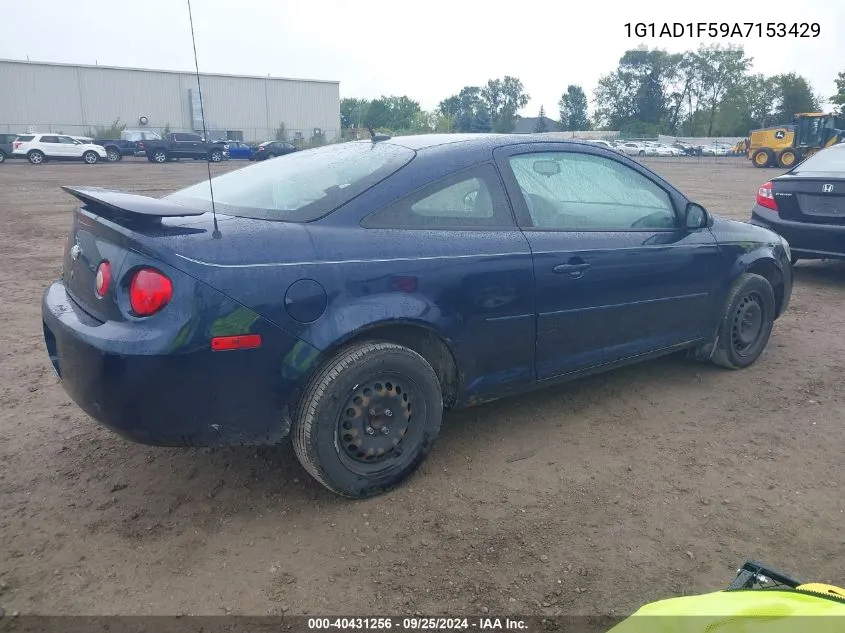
(304, 186)
(187, 137)
(470, 200)
(832, 159)
(49, 139)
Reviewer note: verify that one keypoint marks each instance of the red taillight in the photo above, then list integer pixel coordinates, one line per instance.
(16, 144)
(103, 280)
(149, 292)
(242, 341)
(765, 197)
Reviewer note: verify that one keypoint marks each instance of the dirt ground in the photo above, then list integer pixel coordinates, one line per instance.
(592, 498)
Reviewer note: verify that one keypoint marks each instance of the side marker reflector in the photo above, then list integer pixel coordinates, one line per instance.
(243, 341)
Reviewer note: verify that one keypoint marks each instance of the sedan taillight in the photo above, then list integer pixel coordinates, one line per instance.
(765, 197)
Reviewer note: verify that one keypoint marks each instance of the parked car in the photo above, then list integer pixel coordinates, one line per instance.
(38, 148)
(667, 150)
(365, 286)
(687, 148)
(6, 141)
(271, 149)
(605, 144)
(178, 145)
(652, 148)
(240, 150)
(806, 205)
(127, 144)
(633, 149)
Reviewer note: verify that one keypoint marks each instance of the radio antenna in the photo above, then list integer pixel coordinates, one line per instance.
(216, 233)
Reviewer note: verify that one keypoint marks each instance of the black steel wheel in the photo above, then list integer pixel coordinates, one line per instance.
(746, 323)
(368, 419)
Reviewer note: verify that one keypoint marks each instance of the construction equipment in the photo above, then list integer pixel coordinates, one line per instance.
(787, 145)
(759, 600)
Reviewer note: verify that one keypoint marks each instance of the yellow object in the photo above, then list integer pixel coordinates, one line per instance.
(820, 587)
(743, 611)
(787, 145)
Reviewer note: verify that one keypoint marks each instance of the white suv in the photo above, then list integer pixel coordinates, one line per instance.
(38, 148)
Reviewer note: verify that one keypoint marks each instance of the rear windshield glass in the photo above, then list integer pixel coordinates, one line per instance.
(301, 186)
(26, 138)
(832, 159)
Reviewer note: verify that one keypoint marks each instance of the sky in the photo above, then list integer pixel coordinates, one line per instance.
(427, 49)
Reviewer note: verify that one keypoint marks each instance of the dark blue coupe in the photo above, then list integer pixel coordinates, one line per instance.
(348, 294)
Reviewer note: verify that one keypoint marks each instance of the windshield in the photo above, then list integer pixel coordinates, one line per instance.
(832, 159)
(302, 186)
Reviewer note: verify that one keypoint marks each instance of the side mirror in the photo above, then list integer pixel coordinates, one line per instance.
(695, 216)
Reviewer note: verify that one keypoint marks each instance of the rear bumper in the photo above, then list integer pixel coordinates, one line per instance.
(806, 241)
(188, 397)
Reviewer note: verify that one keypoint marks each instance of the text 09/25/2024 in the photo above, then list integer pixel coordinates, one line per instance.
(723, 29)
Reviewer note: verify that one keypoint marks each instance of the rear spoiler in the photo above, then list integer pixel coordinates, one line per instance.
(130, 204)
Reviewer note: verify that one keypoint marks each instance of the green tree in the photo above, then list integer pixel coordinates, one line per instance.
(504, 98)
(719, 69)
(353, 112)
(794, 95)
(839, 97)
(281, 133)
(466, 111)
(541, 125)
(637, 91)
(573, 109)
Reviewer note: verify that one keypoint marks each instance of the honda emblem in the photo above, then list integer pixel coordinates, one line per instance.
(827, 188)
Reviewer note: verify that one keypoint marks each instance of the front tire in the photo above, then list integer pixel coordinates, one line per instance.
(368, 419)
(36, 157)
(90, 157)
(746, 323)
(113, 155)
(2, 156)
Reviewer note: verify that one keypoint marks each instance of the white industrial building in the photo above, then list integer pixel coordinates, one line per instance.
(76, 99)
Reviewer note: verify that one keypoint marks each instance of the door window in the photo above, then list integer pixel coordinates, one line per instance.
(66, 140)
(571, 191)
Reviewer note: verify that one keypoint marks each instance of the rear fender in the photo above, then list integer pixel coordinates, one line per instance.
(348, 316)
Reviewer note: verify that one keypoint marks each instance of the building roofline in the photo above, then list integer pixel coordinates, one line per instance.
(161, 70)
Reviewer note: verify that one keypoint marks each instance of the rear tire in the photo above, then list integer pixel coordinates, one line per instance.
(91, 157)
(788, 158)
(159, 156)
(215, 156)
(339, 431)
(763, 158)
(746, 322)
(641, 153)
(2, 156)
(36, 157)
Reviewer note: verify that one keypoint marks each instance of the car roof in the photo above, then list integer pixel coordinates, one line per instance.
(476, 141)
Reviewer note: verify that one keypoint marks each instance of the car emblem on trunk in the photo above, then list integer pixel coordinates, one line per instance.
(75, 251)
(827, 188)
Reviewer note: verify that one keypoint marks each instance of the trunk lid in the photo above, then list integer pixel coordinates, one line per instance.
(816, 199)
(110, 224)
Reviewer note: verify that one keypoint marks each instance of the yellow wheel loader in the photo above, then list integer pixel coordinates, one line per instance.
(787, 145)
